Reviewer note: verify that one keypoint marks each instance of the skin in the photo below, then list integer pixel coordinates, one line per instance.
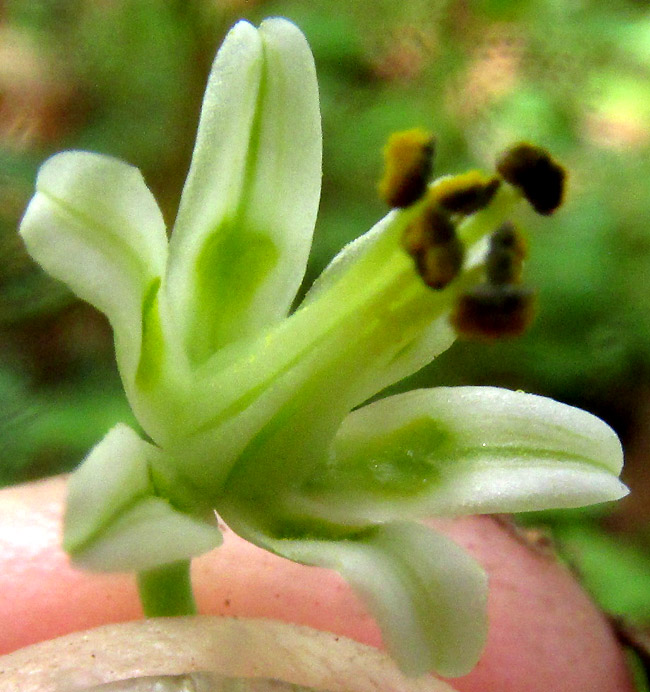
(545, 634)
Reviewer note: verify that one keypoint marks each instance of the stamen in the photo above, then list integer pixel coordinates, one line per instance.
(540, 178)
(440, 264)
(500, 306)
(466, 193)
(408, 167)
(431, 227)
(505, 257)
(431, 241)
(492, 312)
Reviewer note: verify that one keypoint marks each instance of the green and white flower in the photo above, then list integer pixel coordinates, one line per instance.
(246, 404)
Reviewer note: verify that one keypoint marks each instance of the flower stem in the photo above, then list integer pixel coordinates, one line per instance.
(167, 590)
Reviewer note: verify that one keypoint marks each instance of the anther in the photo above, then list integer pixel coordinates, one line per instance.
(431, 227)
(408, 167)
(439, 265)
(540, 178)
(431, 241)
(508, 238)
(505, 256)
(466, 193)
(492, 312)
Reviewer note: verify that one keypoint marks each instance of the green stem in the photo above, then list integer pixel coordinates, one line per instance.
(167, 590)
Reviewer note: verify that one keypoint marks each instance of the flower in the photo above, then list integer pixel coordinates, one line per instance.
(247, 405)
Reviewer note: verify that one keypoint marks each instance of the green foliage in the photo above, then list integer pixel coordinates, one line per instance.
(52, 429)
(638, 672)
(614, 570)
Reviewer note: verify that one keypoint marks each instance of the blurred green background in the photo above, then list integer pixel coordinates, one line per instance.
(125, 77)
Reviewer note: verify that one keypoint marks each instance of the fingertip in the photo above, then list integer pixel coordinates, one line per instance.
(545, 633)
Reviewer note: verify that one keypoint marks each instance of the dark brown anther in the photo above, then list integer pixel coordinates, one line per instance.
(536, 174)
(508, 238)
(431, 227)
(408, 167)
(493, 312)
(504, 261)
(467, 193)
(431, 241)
(439, 265)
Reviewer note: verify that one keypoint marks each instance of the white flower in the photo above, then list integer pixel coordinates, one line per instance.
(248, 406)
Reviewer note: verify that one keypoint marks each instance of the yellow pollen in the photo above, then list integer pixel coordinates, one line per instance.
(408, 166)
(466, 193)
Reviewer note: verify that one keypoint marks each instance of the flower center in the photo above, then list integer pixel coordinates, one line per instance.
(500, 306)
